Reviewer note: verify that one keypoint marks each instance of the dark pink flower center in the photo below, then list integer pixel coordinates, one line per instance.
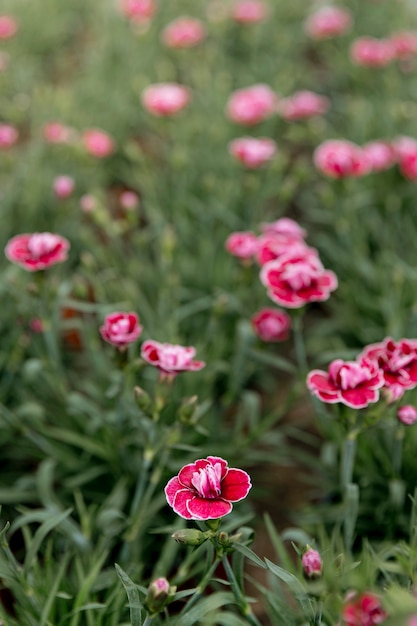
(40, 244)
(299, 275)
(352, 375)
(121, 327)
(207, 481)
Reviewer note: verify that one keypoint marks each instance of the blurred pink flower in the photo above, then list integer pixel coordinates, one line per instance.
(36, 325)
(55, 132)
(242, 244)
(328, 21)
(253, 152)
(121, 329)
(250, 11)
(303, 104)
(380, 154)
(169, 358)
(129, 200)
(404, 44)
(412, 621)
(297, 277)
(63, 186)
(206, 489)
(251, 105)
(339, 158)
(165, 99)
(8, 136)
(372, 52)
(138, 10)
(312, 563)
(271, 324)
(184, 32)
(37, 251)
(88, 203)
(407, 414)
(284, 226)
(363, 610)
(98, 143)
(353, 383)
(8, 26)
(273, 245)
(406, 150)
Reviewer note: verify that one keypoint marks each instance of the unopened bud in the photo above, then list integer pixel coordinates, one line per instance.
(190, 536)
(407, 414)
(223, 538)
(312, 563)
(143, 399)
(188, 409)
(158, 596)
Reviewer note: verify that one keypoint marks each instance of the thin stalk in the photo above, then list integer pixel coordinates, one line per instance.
(299, 345)
(348, 459)
(239, 595)
(397, 450)
(201, 587)
(149, 619)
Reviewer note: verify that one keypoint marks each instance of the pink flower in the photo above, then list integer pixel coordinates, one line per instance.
(169, 358)
(413, 621)
(271, 324)
(339, 158)
(206, 489)
(298, 277)
(312, 563)
(251, 105)
(404, 44)
(63, 186)
(363, 610)
(250, 11)
(98, 143)
(407, 414)
(184, 32)
(353, 383)
(37, 251)
(165, 99)
(302, 105)
(328, 21)
(406, 151)
(380, 154)
(273, 245)
(253, 152)
(36, 325)
(398, 362)
(8, 26)
(55, 132)
(372, 52)
(88, 203)
(285, 226)
(120, 329)
(8, 136)
(129, 200)
(242, 244)
(138, 10)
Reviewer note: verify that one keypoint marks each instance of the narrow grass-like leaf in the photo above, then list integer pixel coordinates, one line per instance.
(132, 592)
(40, 535)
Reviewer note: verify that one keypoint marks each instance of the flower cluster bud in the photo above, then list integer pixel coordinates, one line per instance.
(160, 592)
(312, 563)
(190, 536)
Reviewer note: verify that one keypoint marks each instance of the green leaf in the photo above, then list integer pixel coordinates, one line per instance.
(40, 535)
(132, 592)
(249, 554)
(205, 606)
(294, 584)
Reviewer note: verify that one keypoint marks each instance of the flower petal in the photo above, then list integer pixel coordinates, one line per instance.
(236, 485)
(173, 486)
(182, 497)
(204, 508)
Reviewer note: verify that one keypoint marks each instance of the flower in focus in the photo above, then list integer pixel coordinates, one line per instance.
(63, 186)
(302, 105)
(339, 158)
(312, 563)
(206, 489)
(251, 105)
(184, 32)
(407, 414)
(242, 244)
(271, 324)
(398, 362)
(327, 22)
(55, 132)
(372, 52)
(380, 154)
(129, 200)
(169, 358)
(121, 329)
(165, 99)
(138, 11)
(404, 44)
(298, 277)
(253, 152)
(8, 26)
(37, 251)
(363, 610)
(8, 136)
(249, 11)
(98, 143)
(406, 150)
(353, 383)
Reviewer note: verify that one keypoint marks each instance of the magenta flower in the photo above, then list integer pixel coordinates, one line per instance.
(380, 154)
(129, 200)
(250, 11)
(406, 150)
(120, 329)
(184, 32)
(363, 610)
(372, 52)
(206, 489)
(298, 277)
(8, 136)
(312, 563)
(253, 152)
(98, 143)
(8, 26)
(302, 105)
(242, 244)
(37, 251)
(165, 99)
(169, 358)
(404, 44)
(353, 383)
(327, 22)
(63, 186)
(285, 226)
(407, 414)
(339, 158)
(139, 11)
(271, 324)
(55, 132)
(251, 105)
(272, 246)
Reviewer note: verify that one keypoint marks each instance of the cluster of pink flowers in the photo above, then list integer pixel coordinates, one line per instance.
(389, 365)
(373, 52)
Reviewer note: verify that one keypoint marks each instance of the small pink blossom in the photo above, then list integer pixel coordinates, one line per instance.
(63, 187)
(302, 105)
(165, 99)
(412, 621)
(380, 154)
(98, 143)
(407, 414)
(272, 246)
(129, 200)
(284, 226)
(327, 22)
(169, 358)
(8, 26)
(139, 11)
(353, 383)
(243, 244)
(36, 325)
(372, 52)
(406, 151)
(363, 610)
(404, 44)
(88, 203)
(121, 329)
(298, 277)
(339, 158)
(37, 251)
(55, 132)
(253, 152)
(251, 105)
(207, 489)
(271, 324)
(312, 563)
(8, 136)
(184, 32)
(250, 11)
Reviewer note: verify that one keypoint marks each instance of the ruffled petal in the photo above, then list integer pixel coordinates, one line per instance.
(217, 459)
(236, 485)
(359, 398)
(185, 474)
(173, 486)
(319, 381)
(203, 509)
(182, 497)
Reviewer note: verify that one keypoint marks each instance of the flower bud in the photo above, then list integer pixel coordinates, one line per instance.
(312, 563)
(407, 414)
(189, 536)
(142, 398)
(187, 409)
(159, 592)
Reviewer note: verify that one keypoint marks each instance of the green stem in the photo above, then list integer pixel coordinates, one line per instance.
(203, 584)
(240, 598)
(397, 450)
(149, 619)
(348, 459)
(300, 351)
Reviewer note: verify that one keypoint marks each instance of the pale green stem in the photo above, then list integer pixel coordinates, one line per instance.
(300, 351)
(348, 459)
(238, 593)
(397, 450)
